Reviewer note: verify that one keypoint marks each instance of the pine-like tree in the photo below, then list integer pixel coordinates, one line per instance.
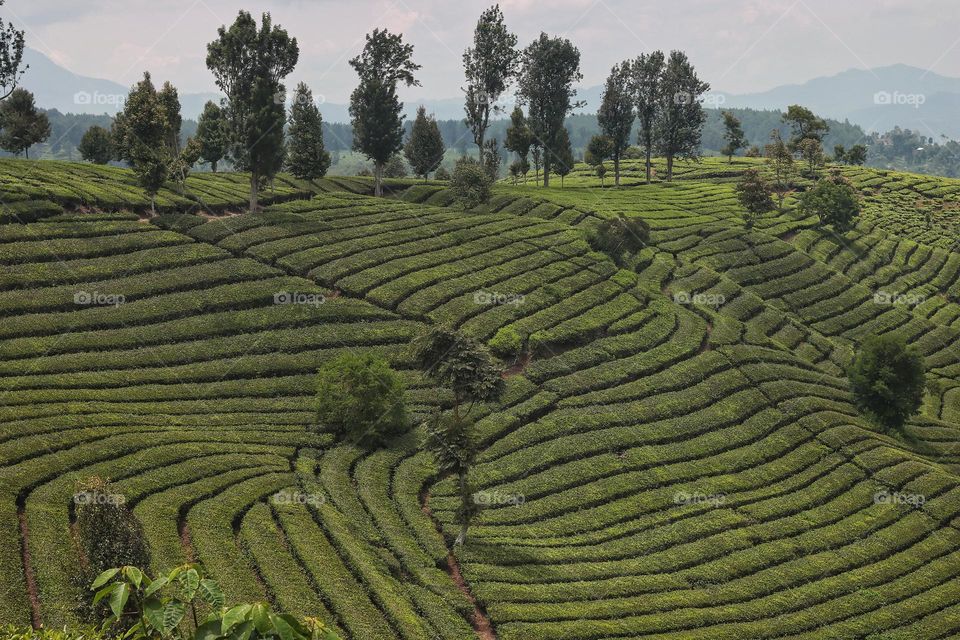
(306, 156)
(424, 148)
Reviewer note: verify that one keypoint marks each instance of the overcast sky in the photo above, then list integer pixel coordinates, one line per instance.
(738, 46)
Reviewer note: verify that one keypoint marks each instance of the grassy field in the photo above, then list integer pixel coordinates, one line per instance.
(677, 455)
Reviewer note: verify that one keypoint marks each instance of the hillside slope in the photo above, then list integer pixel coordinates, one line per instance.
(678, 455)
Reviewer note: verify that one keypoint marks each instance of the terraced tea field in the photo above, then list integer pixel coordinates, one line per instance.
(677, 455)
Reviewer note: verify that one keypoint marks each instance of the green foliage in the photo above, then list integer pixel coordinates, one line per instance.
(598, 149)
(424, 149)
(888, 380)
(518, 136)
(507, 342)
(804, 124)
(361, 398)
(21, 124)
(96, 146)
(616, 115)
(680, 114)
(812, 153)
(780, 161)
(550, 67)
(489, 66)
(562, 154)
(833, 200)
(856, 155)
(441, 174)
(374, 106)
(249, 65)
(620, 237)
(213, 134)
(108, 533)
(470, 183)
(754, 195)
(160, 608)
(45, 633)
(306, 156)
(11, 57)
(733, 134)
(647, 87)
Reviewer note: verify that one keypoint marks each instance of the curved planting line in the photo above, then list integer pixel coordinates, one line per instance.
(32, 591)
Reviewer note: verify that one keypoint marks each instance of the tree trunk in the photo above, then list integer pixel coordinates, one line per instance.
(213, 166)
(465, 506)
(647, 145)
(254, 191)
(616, 171)
(546, 170)
(670, 168)
(26, 153)
(377, 179)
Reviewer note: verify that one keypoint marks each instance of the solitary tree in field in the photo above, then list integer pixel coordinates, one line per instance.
(833, 200)
(466, 368)
(425, 148)
(213, 134)
(857, 154)
(306, 156)
(21, 123)
(804, 124)
(519, 139)
(550, 67)
(780, 161)
(599, 149)
(753, 192)
(141, 133)
(615, 115)
(812, 153)
(96, 146)
(681, 116)
(647, 81)
(733, 134)
(11, 57)
(563, 154)
(470, 183)
(374, 106)
(249, 65)
(489, 66)
(839, 153)
(888, 380)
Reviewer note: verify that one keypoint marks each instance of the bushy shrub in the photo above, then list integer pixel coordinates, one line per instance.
(441, 174)
(470, 183)
(75, 633)
(620, 237)
(109, 534)
(888, 380)
(361, 398)
(507, 342)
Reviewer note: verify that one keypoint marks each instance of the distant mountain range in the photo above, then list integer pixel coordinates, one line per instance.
(876, 99)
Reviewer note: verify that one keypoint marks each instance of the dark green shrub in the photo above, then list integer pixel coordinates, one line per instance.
(470, 183)
(888, 380)
(361, 398)
(620, 237)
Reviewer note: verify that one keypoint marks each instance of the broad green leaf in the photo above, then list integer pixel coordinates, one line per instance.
(208, 631)
(211, 593)
(235, 616)
(103, 578)
(172, 615)
(156, 585)
(134, 574)
(103, 593)
(284, 630)
(243, 631)
(260, 615)
(119, 597)
(189, 581)
(153, 612)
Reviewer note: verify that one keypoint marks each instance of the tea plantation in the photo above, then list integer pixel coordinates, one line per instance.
(678, 454)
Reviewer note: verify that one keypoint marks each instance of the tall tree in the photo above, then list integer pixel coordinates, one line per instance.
(598, 149)
(550, 67)
(424, 149)
(857, 154)
(647, 80)
(306, 156)
(519, 139)
(11, 57)
(804, 124)
(21, 124)
(212, 134)
(563, 154)
(681, 116)
(615, 115)
(249, 65)
(780, 161)
(96, 146)
(374, 106)
(489, 66)
(464, 366)
(753, 192)
(141, 132)
(733, 134)
(170, 101)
